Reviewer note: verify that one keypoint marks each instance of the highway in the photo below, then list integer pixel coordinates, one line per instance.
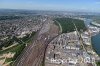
(34, 53)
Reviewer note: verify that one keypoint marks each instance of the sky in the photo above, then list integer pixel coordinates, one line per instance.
(56, 5)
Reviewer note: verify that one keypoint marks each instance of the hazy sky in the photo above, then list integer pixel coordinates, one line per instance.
(62, 5)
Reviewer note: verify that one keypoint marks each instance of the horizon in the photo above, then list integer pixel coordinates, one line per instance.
(52, 5)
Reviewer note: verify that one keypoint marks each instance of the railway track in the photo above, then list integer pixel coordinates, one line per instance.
(33, 54)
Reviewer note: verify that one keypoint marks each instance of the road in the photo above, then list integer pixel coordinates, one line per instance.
(80, 38)
(34, 53)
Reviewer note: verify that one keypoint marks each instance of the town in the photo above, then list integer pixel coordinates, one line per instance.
(46, 38)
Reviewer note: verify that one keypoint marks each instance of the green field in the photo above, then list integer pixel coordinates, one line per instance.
(68, 26)
(98, 63)
(17, 49)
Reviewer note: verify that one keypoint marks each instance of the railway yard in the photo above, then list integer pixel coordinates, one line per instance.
(46, 39)
(33, 54)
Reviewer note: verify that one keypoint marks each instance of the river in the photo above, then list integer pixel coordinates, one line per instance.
(96, 43)
(95, 39)
(87, 22)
